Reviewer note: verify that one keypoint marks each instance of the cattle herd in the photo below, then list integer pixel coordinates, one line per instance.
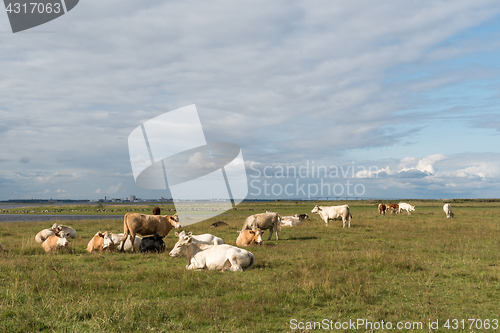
(202, 251)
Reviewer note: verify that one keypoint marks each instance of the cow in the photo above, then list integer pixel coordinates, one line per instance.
(55, 242)
(65, 229)
(44, 234)
(135, 223)
(381, 209)
(393, 207)
(213, 257)
(333, 213)
(447, 210)
(117, 240)
(156, 211)
(263, 221)
(218, 224)
(201, 239)
(249, 237)
(100, 242)
(152, 244)
(409, 208)
(295, 220)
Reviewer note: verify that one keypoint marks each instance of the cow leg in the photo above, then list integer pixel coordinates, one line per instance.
(277, 231)
(271, 230)
(124, 239)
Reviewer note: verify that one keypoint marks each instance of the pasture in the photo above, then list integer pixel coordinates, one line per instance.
(396, 268)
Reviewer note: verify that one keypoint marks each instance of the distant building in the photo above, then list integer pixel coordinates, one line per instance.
(131, 198)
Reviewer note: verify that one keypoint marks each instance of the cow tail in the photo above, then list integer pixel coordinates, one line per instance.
(279, 222)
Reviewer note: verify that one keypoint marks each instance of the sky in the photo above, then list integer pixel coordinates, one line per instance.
(366, 99)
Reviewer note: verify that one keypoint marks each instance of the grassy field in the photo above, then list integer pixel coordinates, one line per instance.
(394, 268)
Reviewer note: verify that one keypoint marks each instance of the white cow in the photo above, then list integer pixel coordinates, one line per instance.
(263, 221)
(117, 240)
(333, 213)
(65, 229)
(409, 208)
(201, 239)
(214, 257)
(447, 210)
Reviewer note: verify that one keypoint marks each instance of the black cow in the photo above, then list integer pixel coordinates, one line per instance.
(152, 244)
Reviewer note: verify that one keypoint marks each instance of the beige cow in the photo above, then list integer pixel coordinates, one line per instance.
(249, 237)
(55, 242)
(100, 242)
(144, 225)
(263, 221)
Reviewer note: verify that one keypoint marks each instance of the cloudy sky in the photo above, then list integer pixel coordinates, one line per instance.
(386, 99)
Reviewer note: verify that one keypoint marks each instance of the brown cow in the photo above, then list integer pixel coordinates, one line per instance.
(55, 242)
(249, 237)
(145, 225)
(101, 242)
(393, 207)
(382, 209)
(156, 211)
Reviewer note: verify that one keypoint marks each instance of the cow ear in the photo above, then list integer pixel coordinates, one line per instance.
(252, 232)
(176, 234)
(67, 234)
(189, 240)
(99, 234)
(190, 233)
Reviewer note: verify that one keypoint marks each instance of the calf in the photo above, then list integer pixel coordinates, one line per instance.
(381, 209)
(214, 257)
(101, 242)
(249, 237)
(152, 244)
(56, 242)
(334, 213)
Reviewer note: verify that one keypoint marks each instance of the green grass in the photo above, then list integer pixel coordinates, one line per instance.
(395, 268)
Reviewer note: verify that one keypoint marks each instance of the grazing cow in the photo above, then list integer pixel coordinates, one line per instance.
(447, 210)
(333, 213)
(263, 221)
(201, 239)
(292, 221)
(56, 242)
(101, 242)
(65, 229)
(218, 224)
(393, 207)
(214, 257)
(156, 211)
(152, 244)
(249, 237)
(117, 240)
(135, 223)
(409, 208)
(381, 209)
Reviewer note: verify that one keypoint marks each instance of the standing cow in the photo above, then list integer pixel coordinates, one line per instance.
(334, 213)
(409, 208)
(135, 223)
(394, 208)
(381, 209)
(263, 221)
(447, 210)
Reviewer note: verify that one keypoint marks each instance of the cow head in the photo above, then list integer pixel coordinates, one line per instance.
(62, 239)
(174, 221)
(257, 233)
(302, 216)
(180, 247)
(315, 209)
(108, 243)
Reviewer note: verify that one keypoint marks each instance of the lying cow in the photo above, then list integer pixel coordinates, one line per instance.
(295, 220)
(218, 224)
(55, 242)
(394, 208)
(447, 210)
(117, 240)
(214, 257)
(101, 242)
(263, 221)
(249, 237)
(381, 209)
(135, 223)
(152, 244)
(45, 233)
(334, 213)
(201, 239)
(409, 208)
